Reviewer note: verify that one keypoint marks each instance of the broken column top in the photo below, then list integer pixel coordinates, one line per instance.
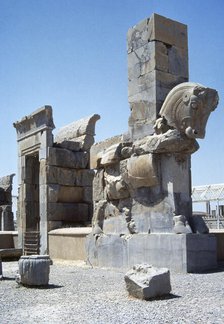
(157, 28)
(157, 62)
(37, 121)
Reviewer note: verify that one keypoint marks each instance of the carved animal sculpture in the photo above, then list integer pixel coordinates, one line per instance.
(187, 108)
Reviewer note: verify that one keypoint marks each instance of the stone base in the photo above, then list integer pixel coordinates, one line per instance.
(177, 252)
(68, 243)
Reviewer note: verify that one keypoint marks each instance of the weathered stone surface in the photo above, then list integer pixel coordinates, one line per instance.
(142, 171)
(147, 282)
(34, 270)
(99, 186)
(69, 212)
(116, 188)
(98, 216)
(1, 275)
(6, 218)
(6, 214)
(68, 159)
(65, 194)
(6, 182)
(98, 149)
(180, 253)
(82, 143)
(169, 142)
(198, 225)
(181, 226)
(69, 177)
(157, 28)
(84, 126)
(111, 155)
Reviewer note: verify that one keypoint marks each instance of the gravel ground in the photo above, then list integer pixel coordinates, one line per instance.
(80, 294)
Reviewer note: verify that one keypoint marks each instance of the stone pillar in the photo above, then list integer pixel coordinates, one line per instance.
(157, 61)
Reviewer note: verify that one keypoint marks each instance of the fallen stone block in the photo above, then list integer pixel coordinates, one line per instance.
(147, 282)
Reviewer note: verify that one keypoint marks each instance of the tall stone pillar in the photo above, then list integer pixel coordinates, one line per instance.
(157, 61)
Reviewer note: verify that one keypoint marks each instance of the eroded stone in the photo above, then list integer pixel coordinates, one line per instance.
(147, 282)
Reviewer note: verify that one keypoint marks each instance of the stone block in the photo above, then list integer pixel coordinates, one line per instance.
(146, 282)
(69, 212)
(68, 159)
(111, 155)
(88, 195)
(34, 270)
(157, 28)
(82, 143)
(168, 31)
(69, 177)
(98, 148)
(180, 253)
(68, 243)
(65, 194)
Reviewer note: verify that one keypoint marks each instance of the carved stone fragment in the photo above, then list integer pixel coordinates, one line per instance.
(142, 171)
(116, 188)
(171, 141)
(181, 225)
(111, 155)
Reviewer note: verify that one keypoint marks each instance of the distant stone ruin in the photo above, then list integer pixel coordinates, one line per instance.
(6, 214)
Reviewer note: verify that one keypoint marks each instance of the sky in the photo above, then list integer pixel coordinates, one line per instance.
(71, 54)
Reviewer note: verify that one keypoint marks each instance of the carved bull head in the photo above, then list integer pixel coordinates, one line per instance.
(187, 108)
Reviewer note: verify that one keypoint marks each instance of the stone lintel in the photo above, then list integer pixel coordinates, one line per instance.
(39, 120)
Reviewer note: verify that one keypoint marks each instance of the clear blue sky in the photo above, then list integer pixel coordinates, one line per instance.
(71, 54)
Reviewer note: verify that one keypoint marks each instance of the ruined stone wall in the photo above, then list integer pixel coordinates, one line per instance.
(69, 176)
(6, 214)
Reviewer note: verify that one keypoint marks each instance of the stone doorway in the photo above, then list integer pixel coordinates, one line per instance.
(32, 206)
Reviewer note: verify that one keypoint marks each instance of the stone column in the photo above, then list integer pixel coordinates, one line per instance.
(157, 61)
